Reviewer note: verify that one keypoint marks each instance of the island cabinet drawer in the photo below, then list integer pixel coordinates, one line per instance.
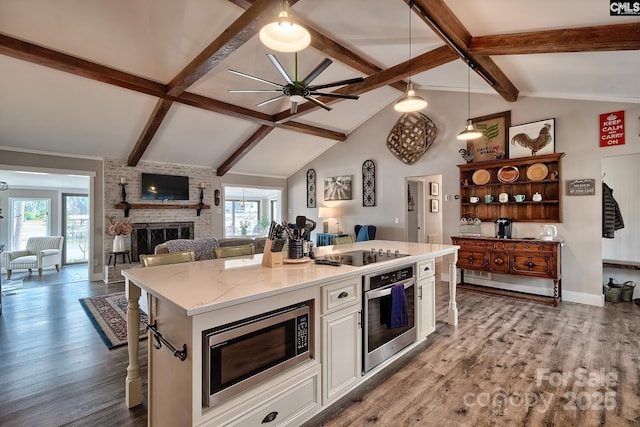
(340, 294)
(426, 268)
(289, 403)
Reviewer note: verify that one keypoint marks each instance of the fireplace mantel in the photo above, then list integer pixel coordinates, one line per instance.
(127, 206)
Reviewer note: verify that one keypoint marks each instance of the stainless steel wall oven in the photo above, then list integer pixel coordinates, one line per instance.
(242, 354)
(381, 338)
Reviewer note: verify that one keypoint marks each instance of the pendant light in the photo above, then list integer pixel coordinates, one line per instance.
(470, 132)
(283, 35)
(410, 101)
(242, 203)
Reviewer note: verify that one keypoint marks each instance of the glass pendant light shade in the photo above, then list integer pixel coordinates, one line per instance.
(283, 35)
(410, 101)
(469, 132)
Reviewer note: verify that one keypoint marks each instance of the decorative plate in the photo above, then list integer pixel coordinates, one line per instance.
(537, 172)
(508, 174)
(481, 177)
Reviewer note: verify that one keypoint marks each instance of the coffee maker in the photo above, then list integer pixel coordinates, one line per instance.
(503, 228)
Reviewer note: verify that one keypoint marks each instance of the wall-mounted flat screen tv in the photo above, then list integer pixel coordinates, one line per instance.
(164, 187)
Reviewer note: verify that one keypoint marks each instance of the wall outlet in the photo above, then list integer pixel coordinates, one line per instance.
(397, 220)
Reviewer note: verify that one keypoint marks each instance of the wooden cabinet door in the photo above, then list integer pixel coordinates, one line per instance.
(499, 261)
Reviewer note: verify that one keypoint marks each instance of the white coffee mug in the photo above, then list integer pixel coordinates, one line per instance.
(474, 199)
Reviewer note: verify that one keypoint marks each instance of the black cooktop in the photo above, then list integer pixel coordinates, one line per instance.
(360, 258)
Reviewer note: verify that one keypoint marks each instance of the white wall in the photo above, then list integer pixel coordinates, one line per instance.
(577, 135)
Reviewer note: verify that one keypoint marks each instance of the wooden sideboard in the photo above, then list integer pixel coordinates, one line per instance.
(523, 257)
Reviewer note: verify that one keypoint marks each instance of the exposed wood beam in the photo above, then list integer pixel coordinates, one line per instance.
(585, 39)
(419, 64)
(29, 52)
(258, 136)
(330, 47)
(227, 109)
(238, 33)
(150, 129)
(443, 22)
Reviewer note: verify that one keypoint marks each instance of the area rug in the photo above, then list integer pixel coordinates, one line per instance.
(108, 313)
(9, 287)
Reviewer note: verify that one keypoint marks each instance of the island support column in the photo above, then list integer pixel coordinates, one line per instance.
(453, 306)
(133, 383)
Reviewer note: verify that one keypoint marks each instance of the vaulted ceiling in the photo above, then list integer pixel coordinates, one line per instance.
(149, 80)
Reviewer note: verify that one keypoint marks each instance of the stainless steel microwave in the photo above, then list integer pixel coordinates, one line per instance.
(242, 354)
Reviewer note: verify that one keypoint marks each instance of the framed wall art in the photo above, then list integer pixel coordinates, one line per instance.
(435, 206)
(493, 143)
(434, 189)
(531, 139)
(338, 187)
(311, 188)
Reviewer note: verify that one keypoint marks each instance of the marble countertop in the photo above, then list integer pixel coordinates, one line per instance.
(202, 286)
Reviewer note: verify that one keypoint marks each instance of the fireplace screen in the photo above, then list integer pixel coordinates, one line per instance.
(146, 236)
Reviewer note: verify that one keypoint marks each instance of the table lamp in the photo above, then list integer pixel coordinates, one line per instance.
(325, 212)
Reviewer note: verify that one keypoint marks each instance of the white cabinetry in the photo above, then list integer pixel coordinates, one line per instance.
(286, 403)
(341, 338)
(426, 298)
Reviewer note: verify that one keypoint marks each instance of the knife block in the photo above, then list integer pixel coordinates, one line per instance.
(271, 259)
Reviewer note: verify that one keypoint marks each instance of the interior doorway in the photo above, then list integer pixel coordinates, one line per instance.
(423, 209)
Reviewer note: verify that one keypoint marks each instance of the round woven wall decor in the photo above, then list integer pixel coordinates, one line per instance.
(411, 137)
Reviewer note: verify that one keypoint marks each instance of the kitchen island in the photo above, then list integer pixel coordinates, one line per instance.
(186, 300)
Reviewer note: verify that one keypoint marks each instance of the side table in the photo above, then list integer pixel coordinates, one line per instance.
(114, 256)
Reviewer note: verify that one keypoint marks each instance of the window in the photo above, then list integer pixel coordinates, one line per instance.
(29, 218)
(249, 211)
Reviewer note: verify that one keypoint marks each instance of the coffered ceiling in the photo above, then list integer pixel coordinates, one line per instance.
(149, 80)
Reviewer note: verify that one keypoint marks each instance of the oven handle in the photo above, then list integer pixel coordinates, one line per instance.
(379, 293)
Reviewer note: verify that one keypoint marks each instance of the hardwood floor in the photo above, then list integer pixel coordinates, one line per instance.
(55, 370)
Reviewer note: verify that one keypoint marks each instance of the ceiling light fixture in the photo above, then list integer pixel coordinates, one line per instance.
(470, 132)
(410, 101)
(284, 35)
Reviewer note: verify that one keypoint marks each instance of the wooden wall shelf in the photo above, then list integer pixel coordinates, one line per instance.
(550, 188)
(127, 206)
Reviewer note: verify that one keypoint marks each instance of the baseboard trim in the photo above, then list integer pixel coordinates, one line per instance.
(568, 296)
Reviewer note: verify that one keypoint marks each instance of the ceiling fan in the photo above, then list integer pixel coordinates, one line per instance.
(298, 90)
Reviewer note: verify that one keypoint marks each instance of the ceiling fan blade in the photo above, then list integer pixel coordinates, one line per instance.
(318, 103)
(275, 98)
(294, 107)
(279, 67)
(254, 78)
(338, 83)
(316, 71)
(254, 91)
(335, 95)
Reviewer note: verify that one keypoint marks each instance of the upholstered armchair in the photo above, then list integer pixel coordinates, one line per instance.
(365, 232)
(40, 253)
